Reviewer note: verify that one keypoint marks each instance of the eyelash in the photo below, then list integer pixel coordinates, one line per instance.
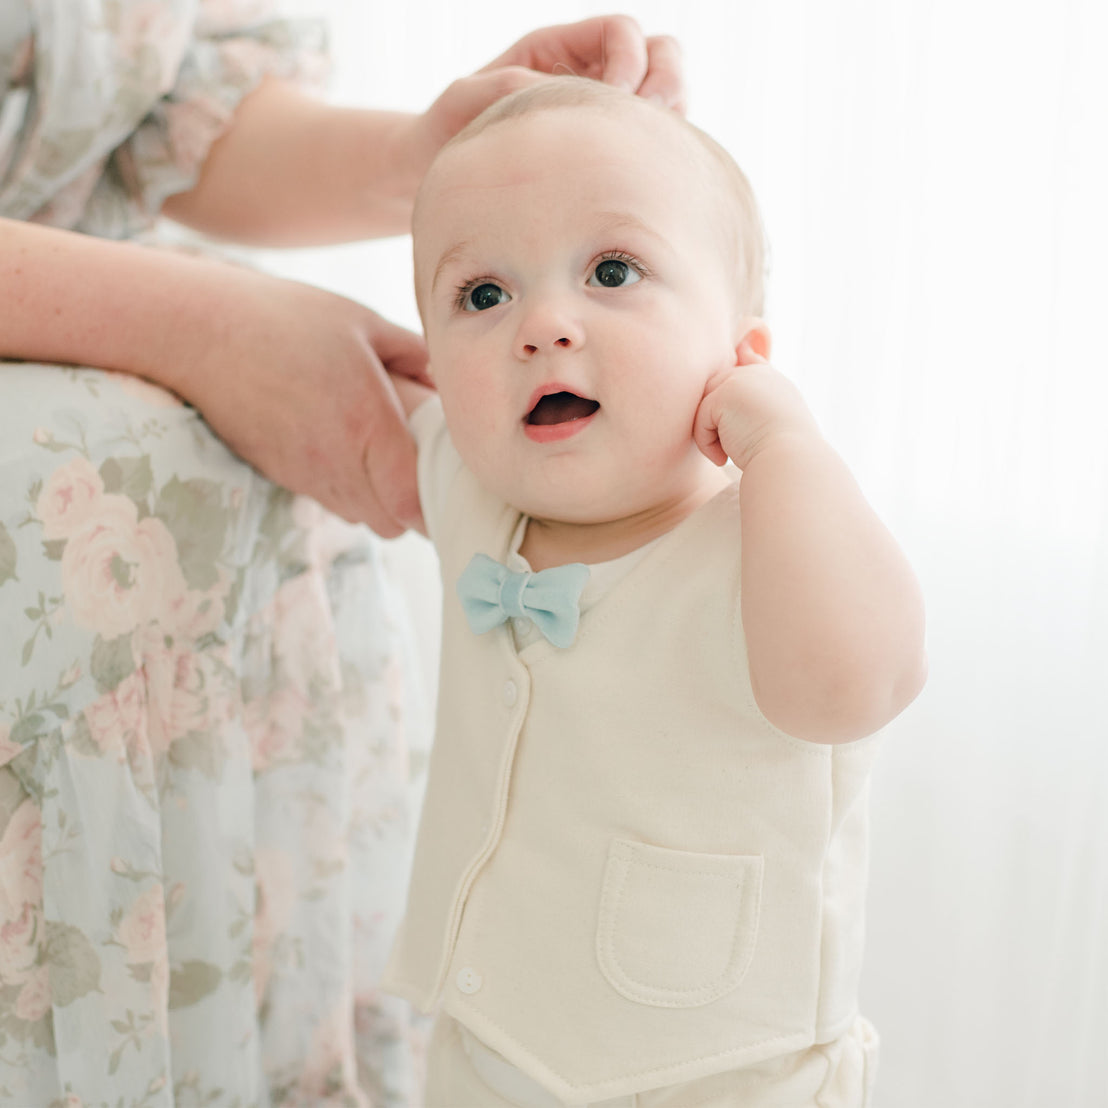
(463, 290)
(622, 256)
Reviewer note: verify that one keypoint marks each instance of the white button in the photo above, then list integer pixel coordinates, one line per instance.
(468, 981)
(511, 693)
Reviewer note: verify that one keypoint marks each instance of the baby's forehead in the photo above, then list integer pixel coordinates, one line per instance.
(500, 154)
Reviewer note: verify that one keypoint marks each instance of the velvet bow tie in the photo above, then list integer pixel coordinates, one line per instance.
(491, 593)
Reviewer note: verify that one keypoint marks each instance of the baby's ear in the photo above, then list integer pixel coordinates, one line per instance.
(752, 342)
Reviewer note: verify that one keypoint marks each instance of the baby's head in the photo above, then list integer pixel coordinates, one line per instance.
(732, 210)
(584, 263)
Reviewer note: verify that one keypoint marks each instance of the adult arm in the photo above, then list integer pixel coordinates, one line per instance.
(294, 170)
(293, 378)
(831, 610)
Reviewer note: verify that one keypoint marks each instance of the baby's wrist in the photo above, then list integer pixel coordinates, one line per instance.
(775, 444)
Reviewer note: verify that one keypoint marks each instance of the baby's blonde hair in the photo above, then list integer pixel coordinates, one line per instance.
(741, 222)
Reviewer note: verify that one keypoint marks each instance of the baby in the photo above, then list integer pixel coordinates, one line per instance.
(640, 874)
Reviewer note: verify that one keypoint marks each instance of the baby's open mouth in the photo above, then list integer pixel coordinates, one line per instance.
(561, 407)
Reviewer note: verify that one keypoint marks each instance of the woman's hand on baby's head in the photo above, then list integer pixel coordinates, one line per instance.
(747, 407)
(609, 48)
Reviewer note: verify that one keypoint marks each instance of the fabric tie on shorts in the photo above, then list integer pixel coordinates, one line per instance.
(491, 594)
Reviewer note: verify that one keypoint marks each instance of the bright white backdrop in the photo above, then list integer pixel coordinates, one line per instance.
(934, 180)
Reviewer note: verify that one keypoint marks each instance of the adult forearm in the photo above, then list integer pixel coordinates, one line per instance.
(73, 299)
(295, 171)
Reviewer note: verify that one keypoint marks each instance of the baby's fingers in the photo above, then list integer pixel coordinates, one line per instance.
(706, 430)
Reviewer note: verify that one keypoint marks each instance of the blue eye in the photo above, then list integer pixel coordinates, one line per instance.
(612, 273)
(481, 297)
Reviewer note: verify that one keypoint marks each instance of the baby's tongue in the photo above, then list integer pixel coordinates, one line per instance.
(561, 407)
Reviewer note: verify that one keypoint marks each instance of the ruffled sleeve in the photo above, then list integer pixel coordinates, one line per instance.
(124, 99)
(227, 59)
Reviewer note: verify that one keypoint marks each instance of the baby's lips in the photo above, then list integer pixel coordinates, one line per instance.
(561, 407)
(554, 388)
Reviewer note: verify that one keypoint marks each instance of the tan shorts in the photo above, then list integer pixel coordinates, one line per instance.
(464, 1073)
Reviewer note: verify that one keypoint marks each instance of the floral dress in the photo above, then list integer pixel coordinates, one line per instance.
(209, 755)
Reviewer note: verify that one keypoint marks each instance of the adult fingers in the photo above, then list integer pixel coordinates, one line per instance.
(608, 47)
(467, 97)
(665, 78)
(375, 472)
(623, 54)
(389, 500)
(398, 349)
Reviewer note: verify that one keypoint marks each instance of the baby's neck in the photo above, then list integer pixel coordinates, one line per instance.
(548, 542)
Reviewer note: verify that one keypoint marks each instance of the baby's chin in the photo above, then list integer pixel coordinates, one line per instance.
(614, 499)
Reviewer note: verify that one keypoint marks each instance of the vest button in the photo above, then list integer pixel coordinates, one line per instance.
(468, 981)
(511, 693)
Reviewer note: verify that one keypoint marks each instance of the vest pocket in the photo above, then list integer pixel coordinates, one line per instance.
(676, 929)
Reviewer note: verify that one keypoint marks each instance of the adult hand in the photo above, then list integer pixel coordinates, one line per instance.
(297, 384)
(609, 48)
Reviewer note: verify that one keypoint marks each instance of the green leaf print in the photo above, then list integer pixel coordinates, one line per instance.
(192, 982)
(196, 518)
(7, 556)
(111, 661)
(53, 549)
(132, 477)
(199, 750)
(74, 964)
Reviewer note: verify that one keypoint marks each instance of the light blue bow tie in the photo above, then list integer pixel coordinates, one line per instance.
(491, 593)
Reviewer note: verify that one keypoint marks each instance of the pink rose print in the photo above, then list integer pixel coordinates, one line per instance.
(194, 613)
(175, 683)
(330, 1056)
(117, 718)
(19, 937)
(119, 572)
(192, 125)
(304, 635)
(69, 499)
(21, 861)
(153, 30)
(33, 1001)
(142, 929)
(275, 725)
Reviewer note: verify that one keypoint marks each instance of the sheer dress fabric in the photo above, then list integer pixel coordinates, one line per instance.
(209, 746)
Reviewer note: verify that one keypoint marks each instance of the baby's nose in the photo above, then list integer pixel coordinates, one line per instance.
(547, 327)
(532, 348)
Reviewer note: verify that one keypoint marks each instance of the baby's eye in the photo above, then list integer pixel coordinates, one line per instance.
(481, 297)
(611, 273)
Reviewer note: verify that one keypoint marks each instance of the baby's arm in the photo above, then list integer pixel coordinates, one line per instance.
(831, 609)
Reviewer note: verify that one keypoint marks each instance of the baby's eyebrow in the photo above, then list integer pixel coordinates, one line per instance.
(616, 221)
(451, 256)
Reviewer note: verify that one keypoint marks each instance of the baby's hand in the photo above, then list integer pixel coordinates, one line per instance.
(746, 407)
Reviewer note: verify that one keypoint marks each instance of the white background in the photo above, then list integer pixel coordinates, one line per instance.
(933, 179)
